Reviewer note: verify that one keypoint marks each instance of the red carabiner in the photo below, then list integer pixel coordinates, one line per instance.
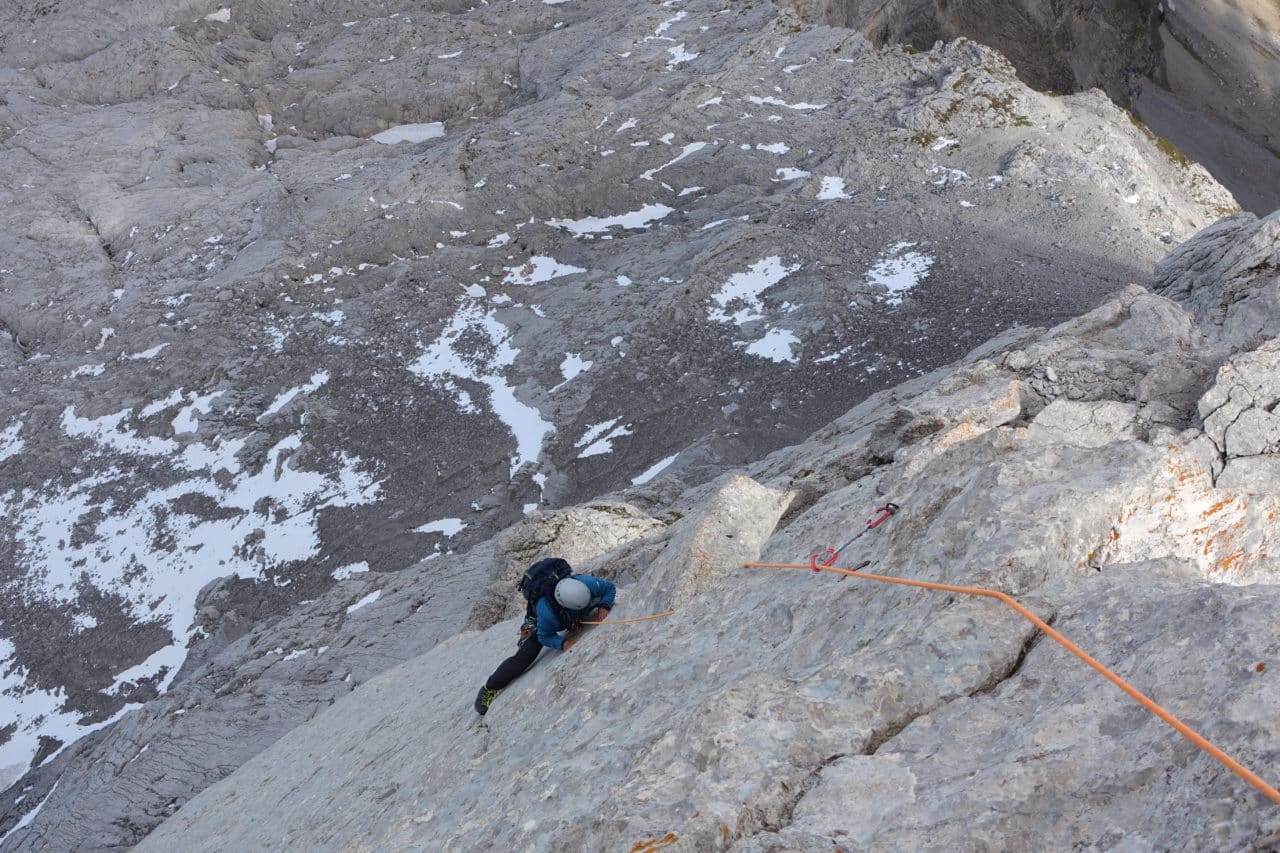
(885, 512)
(833, 556)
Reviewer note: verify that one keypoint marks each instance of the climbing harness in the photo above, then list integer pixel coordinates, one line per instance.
(830, 555)
(1182, 728)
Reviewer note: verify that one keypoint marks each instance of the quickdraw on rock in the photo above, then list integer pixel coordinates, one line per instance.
(830, 555)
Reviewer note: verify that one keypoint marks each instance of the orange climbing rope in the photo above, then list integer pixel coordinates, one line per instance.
(625, 621)
(1183, 729)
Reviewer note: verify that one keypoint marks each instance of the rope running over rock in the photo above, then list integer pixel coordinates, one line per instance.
(1183, 729)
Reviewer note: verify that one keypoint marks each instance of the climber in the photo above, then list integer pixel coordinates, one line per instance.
(557, 600)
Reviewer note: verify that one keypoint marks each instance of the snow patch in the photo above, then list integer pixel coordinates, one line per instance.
(409, 133)
(718, 222)
(147, 354)
(29, 816)
(101, 530)
(691, 148)
(835, 356)
(443, 362)
(778, 102)
(446, 526)
(87, 370)
(649, 473)
(10, 442)
(679, 56)
(598, 439)
(832, 189)
(948, 176)
(898, 271)
(185, 421)
(366, 601)
(351, 570)
(286, 397)
(539, 269)
(745, 288)
(573, 366)
(666, 25)
(636, 219)
(775, 346)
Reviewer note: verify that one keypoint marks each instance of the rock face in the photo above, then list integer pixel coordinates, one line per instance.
(1242, 252)
(1063, 47)
(247, 332)
(1201, 74)
(1074, 468)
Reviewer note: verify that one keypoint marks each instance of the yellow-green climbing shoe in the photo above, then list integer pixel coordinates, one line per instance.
(484, 699)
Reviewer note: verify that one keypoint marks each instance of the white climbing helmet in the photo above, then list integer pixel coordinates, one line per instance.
(572, 594)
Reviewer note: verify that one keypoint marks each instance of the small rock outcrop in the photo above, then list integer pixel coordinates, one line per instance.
(730, 527)
(1229, 278)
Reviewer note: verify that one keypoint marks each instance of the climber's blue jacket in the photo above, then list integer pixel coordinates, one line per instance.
(550, 622)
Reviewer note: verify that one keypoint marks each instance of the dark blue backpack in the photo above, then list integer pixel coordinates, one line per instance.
(539, 581)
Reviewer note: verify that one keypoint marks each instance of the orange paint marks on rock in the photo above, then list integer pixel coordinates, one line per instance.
(651, 844)
(1229, 562)
(1218, 507)
(1185, 469)
(961, 432)
(1224, 550)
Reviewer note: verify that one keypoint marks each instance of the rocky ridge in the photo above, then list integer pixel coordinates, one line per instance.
(1204, 75)
(246, 332)
(1114, 473)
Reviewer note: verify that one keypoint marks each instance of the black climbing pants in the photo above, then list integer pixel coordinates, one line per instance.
(516, 665)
